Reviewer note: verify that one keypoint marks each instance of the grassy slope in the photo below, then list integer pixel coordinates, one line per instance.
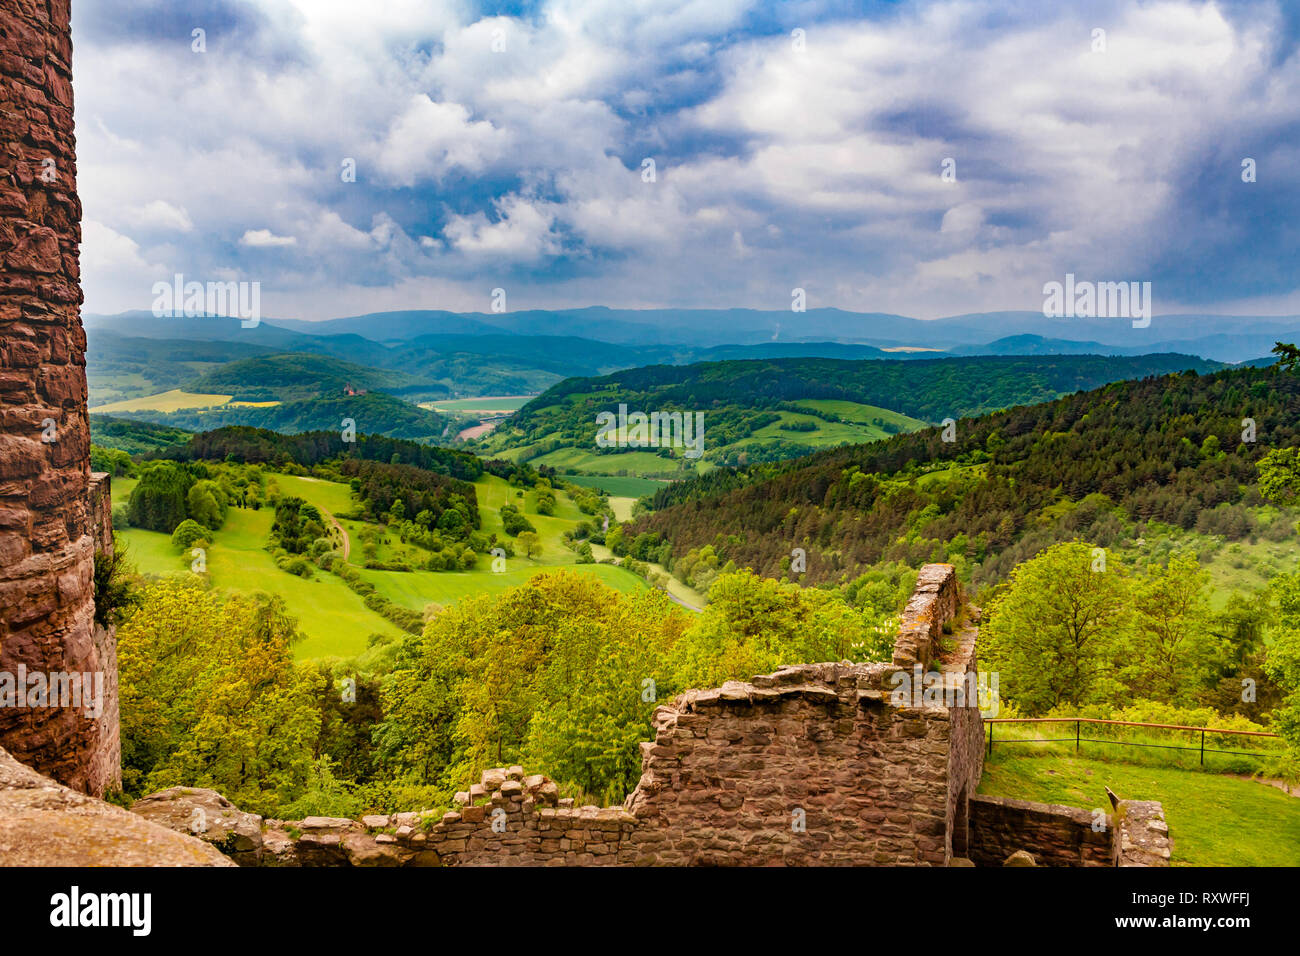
(508, 403)
(631, 488)
(335, 620)
(1214, 820)
(855, 429)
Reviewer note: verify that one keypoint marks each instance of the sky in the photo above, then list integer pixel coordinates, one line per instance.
(921, 158)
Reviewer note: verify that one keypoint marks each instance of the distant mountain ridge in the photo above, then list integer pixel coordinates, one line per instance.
(1222, 338)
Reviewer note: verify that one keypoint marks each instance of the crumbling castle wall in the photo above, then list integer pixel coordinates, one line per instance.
(833, 764)
(47, 543)
(1056, 836)
(813, 765)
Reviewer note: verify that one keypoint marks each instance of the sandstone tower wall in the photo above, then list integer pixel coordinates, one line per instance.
(47, 541)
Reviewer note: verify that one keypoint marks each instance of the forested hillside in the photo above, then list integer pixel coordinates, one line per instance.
(255, 445)
(1168, 449)
(296, 376)
(929, 389)
(374, 411)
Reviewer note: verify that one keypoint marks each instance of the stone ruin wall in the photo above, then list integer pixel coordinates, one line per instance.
(46, 537)
(722, 783)
(815, 764)
(876, 783)
(1056, 836)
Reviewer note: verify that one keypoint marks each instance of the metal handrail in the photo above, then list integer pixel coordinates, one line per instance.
(1079, 740)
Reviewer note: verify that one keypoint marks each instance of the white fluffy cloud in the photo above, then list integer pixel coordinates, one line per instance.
(511, 147)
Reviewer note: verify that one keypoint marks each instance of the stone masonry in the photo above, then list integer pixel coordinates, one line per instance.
(46, 541)
(814, 765)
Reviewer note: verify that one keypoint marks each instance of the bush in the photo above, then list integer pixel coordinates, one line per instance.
(115, 590)
(299, 566)
(187, 533)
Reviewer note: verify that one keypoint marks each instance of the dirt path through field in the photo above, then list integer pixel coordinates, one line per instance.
(347, 542)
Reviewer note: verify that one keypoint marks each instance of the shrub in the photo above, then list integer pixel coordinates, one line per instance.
(187, 533)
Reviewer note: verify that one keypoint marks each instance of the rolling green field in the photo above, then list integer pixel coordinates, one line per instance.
(1214, 820)
(863, 414)
(171, 401)
(634, 463)
(499, 403)
(622, 486)
(622, 508)
(858, 425)
(335, 620)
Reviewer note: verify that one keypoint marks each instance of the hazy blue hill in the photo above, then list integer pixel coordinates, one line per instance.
(398, 326)
(363, 338)
(373, 412)
(296, 376)
(1038, 345)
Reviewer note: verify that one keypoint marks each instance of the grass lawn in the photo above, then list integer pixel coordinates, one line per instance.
(580, 460)
(171, 401)
(333, 497)
(622, 508)
(857, 428)
(1215, 820)
(676, 588)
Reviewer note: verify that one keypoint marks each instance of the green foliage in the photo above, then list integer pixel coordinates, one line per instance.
(437, 501)
(115, 590)
(754, 625)
(159, 500)
(1053, 632)
(297, 525)
(1283, 662)
(1172, 648)
(1073, 628)
(395, 417)
(464, 694)
(132, 437)
(530, 543)
(254, 445)
(112, 460)
(1279, 475)
(211, 697)
(206, 503)
(299, 375)
(1088, 466)
(188, 533)
(514, 522)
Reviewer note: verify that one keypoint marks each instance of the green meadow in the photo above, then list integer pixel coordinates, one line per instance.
(625, 486)
(1214, 819)
(334, 620)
